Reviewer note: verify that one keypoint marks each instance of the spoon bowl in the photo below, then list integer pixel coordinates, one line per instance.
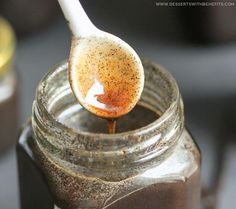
(106, 75)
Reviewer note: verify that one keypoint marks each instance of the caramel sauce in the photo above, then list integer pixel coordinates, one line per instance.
(105, 77)
(112, 126)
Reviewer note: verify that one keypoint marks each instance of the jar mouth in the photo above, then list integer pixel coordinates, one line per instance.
(173, 101)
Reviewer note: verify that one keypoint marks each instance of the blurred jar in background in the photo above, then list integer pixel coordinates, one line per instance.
(8, 87)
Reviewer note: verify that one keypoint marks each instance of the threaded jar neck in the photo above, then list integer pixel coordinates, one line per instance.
(117, 155)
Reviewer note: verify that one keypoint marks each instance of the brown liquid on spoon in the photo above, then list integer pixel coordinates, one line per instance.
(105, 77)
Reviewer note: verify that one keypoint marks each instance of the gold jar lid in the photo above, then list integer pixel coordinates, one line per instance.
(7, 46)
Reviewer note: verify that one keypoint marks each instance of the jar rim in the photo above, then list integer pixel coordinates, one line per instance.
(174, 101)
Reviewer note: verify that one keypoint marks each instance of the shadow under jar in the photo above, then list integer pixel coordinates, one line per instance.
(152, 162)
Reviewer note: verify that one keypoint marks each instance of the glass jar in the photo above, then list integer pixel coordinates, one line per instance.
(152, 162)
(8, 87)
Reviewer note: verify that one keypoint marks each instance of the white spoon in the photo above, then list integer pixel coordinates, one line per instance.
(105, 73)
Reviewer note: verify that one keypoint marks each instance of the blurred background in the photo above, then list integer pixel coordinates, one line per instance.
(196, 44)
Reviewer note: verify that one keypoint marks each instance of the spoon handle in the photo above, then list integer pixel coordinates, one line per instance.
(78, 21)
